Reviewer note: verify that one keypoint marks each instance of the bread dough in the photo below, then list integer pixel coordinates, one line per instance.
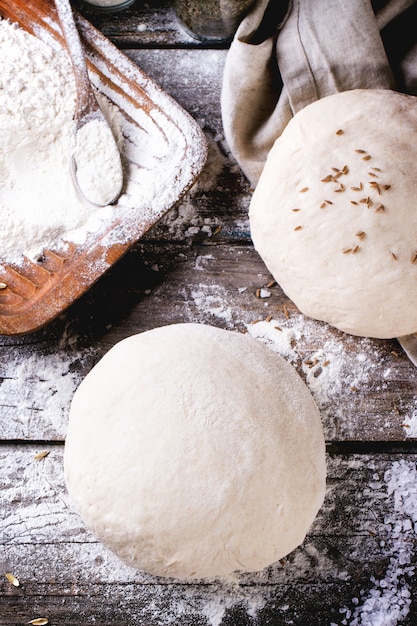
(334, 215)
(193, 452)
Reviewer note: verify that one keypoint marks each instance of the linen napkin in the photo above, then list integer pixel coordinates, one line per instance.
(289, 53)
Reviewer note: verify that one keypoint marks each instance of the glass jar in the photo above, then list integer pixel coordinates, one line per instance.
(106, 6)
(211, 20)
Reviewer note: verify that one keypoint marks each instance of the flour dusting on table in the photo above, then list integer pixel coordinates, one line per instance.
(184, 220)
(37, 504)
(332, 366)
(39, 388)
(51, 380)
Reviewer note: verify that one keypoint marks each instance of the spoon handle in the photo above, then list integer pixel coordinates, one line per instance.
(86, 101)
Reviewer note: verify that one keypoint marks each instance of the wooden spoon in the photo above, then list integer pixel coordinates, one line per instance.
(95, 161)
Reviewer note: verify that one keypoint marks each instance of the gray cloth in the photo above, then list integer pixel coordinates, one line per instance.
(286, 55)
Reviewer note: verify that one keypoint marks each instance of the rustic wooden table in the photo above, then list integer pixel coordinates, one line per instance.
(357, 565)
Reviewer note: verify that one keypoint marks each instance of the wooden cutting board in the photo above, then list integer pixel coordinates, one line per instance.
(38, 290)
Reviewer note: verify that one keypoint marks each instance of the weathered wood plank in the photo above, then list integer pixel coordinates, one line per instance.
(365, 389)
(37, 509)
(192, 77)
(332, 604)
(165, 606)
(152, 23)
(361, 549)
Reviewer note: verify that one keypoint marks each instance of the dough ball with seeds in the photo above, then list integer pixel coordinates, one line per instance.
(194, 451)
(334, 215)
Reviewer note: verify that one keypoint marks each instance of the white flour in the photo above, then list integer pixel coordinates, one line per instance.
(98, 167)
(38, 203)
(40, 388)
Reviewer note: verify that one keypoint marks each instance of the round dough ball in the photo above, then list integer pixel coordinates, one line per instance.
(194, 452)
(334, 215)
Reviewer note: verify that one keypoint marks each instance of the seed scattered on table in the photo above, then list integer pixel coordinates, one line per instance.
(12, 579)
(41, 455)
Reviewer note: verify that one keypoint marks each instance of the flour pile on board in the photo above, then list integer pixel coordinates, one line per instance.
(37, 100)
